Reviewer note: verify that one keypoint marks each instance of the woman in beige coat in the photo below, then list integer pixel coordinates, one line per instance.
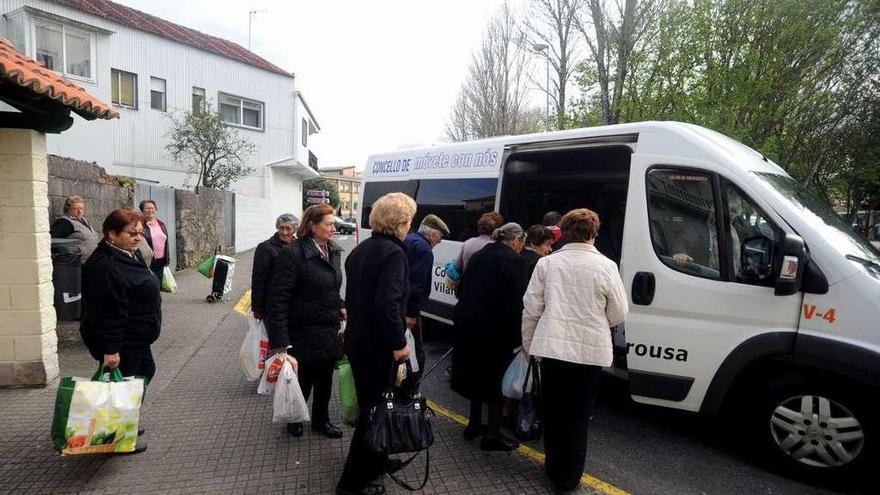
(574, 298)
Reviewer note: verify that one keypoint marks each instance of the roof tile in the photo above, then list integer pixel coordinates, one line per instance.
(28, 73)
(165, 29)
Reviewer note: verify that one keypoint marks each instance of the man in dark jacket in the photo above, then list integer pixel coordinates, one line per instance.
(419, 251)
(264, 261)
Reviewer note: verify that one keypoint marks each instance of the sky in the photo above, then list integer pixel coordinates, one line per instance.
(378, 75)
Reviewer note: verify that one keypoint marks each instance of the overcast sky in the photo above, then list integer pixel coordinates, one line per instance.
(378, 75)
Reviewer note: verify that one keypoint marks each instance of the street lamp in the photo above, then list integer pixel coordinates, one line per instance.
(544, 49)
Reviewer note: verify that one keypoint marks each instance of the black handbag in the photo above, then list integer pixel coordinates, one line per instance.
(529, 425)
(398, 424)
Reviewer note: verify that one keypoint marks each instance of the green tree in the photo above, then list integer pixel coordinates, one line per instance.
(210, 149)
(321, 184)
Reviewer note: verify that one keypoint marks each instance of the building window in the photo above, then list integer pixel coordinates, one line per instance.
(157, 94)
(241, 112)
(63, 49)
(305, 132)
(198, 99)
(123, 88)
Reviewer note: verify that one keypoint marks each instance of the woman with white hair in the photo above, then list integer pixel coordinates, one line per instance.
(264, 260)
(375, 297)
(487, 330)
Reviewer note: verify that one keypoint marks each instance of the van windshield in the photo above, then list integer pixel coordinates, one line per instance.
(820, 215)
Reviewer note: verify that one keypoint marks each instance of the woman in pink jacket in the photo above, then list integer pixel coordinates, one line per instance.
(573, 299)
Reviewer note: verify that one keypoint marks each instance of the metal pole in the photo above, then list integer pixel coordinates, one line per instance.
(547, 65)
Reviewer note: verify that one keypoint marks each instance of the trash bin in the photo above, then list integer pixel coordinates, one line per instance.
(67, 279)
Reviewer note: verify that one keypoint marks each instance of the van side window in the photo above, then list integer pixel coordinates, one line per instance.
(459, 202)
(754, 239)
(375, 190)
(681, 211)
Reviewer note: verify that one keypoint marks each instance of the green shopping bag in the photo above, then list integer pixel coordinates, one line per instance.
(168, 283)
(348, 403)
(96, 416)
(206, 267)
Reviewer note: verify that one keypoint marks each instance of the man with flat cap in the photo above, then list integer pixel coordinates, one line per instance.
(419, 251)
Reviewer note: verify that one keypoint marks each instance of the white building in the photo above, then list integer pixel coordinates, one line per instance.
(147, 67)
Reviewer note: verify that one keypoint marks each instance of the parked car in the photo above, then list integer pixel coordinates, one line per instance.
(343, 227)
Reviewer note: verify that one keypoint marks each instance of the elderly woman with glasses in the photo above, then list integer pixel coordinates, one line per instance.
(487, 330)
(122, 311)
(264, 260)
(304, 310)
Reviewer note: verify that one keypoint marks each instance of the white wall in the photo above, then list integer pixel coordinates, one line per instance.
(133, 145)
(254, 221)
(286, 192)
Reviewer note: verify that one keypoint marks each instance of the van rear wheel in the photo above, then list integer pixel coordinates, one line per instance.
(814, 429)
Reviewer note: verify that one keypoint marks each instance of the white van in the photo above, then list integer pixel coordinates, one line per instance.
(775, 314)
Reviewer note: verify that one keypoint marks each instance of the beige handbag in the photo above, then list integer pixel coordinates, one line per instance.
(146, 252)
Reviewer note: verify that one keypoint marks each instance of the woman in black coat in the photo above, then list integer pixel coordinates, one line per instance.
(487, 329)
(539, 240)
(122, 311)
(303, 311)
(264, 261)
(375, 296)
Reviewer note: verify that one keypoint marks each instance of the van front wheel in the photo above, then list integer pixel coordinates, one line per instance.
(815, 429)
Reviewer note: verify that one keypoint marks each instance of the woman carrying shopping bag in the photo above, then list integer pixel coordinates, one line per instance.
(375, 295)
(487, 330)
(303, 312)
(122, 310)
(566, 321)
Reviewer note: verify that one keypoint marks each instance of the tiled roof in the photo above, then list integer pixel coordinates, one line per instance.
(27, 73)
(160, 27)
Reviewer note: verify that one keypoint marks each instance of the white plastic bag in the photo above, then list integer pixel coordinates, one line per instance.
(513, 383)
(270, 374)
(168, 284)
(411, 342)
(289, 405)
(254, 349)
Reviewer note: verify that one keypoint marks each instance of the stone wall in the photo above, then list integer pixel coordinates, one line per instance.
(102, 193)
(28, 345)
(200, 225)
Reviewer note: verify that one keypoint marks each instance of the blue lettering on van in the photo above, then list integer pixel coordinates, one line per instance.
(391, 166)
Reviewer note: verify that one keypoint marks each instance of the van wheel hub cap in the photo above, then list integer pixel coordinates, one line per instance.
(817, 431)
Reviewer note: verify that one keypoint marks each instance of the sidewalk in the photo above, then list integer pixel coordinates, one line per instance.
(208, 431)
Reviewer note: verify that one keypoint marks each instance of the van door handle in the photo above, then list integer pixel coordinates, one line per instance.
(643, 288)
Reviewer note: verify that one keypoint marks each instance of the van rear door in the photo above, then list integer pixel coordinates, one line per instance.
(697, 291)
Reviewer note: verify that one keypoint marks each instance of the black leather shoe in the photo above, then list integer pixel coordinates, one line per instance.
(371, 489)
(295, 429)
(473, 431)
(139, 446)
(328, 430)
(499, 443)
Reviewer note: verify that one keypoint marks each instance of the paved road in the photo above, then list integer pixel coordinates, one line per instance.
(649, 450)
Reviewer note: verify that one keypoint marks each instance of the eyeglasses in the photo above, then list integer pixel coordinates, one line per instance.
(135, 233)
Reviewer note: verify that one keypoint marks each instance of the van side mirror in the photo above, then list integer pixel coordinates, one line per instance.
(791, 270)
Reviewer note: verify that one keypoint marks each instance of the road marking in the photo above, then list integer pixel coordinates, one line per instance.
(586, 479)
(244, 304)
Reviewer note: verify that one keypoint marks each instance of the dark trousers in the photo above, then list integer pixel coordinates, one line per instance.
(371, 379)
(137, 361)
(157, 266)
(569, 392)
(317, 376)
